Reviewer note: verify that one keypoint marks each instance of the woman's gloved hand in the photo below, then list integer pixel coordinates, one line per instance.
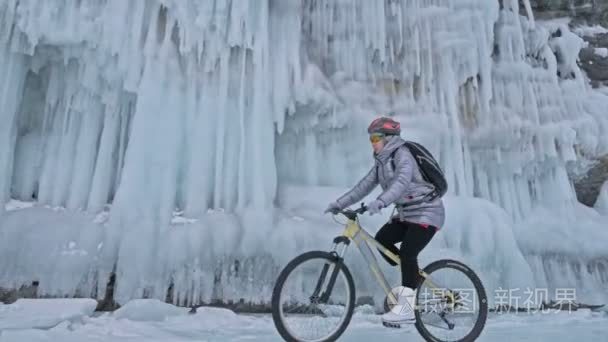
(333, 208)
(375, 206)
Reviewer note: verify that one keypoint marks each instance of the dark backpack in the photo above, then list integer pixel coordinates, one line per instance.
(429, 168)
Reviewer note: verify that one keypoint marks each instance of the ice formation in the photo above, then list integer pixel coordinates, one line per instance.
(162, 140)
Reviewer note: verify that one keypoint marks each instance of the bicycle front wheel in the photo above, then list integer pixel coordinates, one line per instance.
(313, 298)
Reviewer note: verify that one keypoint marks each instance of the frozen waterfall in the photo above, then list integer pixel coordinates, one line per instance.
(189, 147)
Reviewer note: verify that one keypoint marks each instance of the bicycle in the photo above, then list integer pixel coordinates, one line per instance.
(440, 310)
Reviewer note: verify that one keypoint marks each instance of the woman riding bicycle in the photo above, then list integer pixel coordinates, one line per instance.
(414, 225)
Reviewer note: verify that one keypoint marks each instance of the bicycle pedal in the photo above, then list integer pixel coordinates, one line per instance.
(392, 325)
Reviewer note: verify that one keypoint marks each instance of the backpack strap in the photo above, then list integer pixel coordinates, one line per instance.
(392, 156)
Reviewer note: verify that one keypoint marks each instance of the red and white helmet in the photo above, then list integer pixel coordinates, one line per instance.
(384, 125)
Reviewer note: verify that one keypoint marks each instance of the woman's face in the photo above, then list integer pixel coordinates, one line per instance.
(377, 141)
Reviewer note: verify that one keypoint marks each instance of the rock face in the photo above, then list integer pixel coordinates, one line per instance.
(569, 6)
(588, 187)
(594, 64)
(593, 59)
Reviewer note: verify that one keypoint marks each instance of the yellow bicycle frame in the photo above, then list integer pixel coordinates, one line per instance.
(354, 232)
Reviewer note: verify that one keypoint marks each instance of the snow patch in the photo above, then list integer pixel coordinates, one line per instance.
(102, 217)
(213, 318)
(14, 204)
(179, 219)
(365, 310)
(553, 24)
(145, 310)
(43, 313)
(602, 52)
(589, 30)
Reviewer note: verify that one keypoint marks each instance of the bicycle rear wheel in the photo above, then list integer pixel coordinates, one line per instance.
(451, 303)
(313, 298)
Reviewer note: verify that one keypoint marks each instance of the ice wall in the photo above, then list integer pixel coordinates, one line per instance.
(181, 123)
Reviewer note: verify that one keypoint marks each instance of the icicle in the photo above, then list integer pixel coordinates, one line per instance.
(529, 13)
(13, 71)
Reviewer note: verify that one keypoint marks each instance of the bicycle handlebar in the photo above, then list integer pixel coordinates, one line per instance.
(352, 214)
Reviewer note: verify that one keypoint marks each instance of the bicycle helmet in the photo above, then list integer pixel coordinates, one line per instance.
(385, 126)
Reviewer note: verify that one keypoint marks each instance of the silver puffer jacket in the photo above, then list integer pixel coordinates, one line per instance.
(402, 185)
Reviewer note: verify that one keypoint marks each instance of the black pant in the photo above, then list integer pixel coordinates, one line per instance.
(413, 238)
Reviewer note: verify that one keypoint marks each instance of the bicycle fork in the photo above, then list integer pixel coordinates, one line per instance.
(338, 257)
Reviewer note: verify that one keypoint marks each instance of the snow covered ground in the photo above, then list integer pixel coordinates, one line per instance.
(151, 320)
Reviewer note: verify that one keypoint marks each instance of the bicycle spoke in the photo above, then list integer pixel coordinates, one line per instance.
(438, 326)
(450, 324)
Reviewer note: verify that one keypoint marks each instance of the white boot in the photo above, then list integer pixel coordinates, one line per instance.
(402, 312)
